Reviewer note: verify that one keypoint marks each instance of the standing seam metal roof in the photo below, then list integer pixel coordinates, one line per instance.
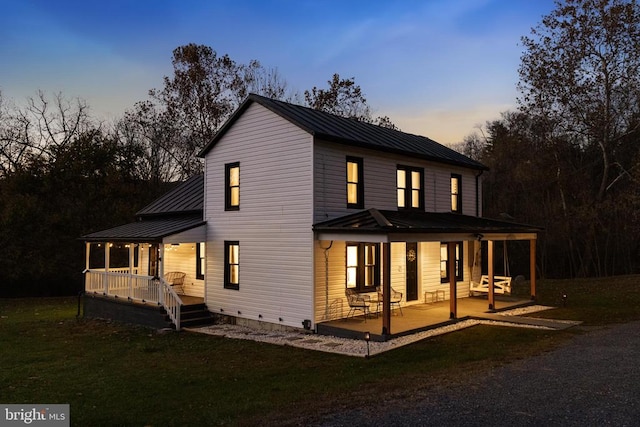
(347, 131)
(186, 197)
(387, 221)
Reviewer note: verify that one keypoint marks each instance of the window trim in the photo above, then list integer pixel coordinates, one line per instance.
(459, 262)
(359, 204)
(361, 267)
(227, 264)
(228, 206)
(408, 189)
(458, 195)
(200, 257)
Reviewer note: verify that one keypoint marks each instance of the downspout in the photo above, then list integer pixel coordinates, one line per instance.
(478, 192)
(326, 280)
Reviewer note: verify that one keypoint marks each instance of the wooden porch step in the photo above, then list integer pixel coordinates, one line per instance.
(195, 315)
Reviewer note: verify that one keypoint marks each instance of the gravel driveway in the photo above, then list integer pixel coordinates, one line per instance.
(594, 380)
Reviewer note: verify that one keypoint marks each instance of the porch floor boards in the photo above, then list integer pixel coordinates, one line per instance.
(189, 300)
(418, 317)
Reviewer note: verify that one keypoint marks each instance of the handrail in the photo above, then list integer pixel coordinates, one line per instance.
(133, 287)
(171, 301)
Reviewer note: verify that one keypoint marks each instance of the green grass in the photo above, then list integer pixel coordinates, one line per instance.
(113, 374)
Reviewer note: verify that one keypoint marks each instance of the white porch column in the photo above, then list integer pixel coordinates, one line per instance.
(131, 248)
(87, 255)
(160, 272)
(490, 272)
(107, 255)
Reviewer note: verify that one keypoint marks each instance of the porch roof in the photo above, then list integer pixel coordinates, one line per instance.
(148, 230)
(416, 225)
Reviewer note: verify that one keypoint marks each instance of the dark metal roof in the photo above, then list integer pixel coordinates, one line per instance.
(148, 230)
(187, 197)
(342, 130)
(388, 222)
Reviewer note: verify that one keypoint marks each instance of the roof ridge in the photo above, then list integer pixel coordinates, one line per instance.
(380, 218)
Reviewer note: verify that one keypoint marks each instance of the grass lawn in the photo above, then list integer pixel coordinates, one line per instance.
(113, 374)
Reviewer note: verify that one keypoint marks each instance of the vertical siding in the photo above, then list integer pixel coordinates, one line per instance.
(273, 225)
(380, 181)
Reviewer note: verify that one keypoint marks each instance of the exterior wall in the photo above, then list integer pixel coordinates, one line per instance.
(330, 273)
(143, 262)
(380, 181)
(273, 224)
(430, 255)
(183, 258)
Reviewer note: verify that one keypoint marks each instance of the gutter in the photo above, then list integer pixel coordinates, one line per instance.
(478, 192)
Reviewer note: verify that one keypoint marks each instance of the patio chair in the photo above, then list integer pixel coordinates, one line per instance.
(176, 280)
(358, 302)
(396, 298)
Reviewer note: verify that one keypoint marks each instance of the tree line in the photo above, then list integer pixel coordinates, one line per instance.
(64, 173)
(567, 159)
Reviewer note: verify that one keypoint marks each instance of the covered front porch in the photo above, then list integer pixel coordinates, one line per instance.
(158, 262)
(433, 262)
(418, 317)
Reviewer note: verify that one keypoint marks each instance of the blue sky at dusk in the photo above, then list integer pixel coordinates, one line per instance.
(435, 67)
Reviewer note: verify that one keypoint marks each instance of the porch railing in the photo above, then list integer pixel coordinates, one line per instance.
(120, 283)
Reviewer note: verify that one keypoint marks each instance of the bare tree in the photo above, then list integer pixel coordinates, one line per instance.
(40, 129)
(581, 70)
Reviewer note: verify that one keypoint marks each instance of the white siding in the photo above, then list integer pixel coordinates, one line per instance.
(431, 270)
(182, 258)
(380, 181)
(273, 225)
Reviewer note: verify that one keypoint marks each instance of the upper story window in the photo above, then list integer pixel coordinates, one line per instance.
(444, 262)
(363, 266)
(410, 187)
(355, 183)
(456, 193)
(232, 265)
(232, 186)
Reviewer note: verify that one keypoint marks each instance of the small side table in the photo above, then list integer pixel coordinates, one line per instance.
(435, 296)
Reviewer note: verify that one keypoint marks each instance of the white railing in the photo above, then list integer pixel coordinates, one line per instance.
(171, 302)
(120, 283)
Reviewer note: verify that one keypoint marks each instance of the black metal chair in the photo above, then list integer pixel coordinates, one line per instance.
(396, 298)
(358, 302)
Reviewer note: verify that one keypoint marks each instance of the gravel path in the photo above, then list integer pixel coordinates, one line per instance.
(594, 380)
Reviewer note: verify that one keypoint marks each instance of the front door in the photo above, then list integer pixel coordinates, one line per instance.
(412, 271)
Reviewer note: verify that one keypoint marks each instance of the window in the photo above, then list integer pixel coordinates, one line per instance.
(456, 196)
(201, 265)
(232, 265)
(232, 187)
(355, 183)
(363, 266)
(410, 188)
(444, 262)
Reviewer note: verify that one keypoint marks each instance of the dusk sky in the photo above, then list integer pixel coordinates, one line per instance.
(436, 67)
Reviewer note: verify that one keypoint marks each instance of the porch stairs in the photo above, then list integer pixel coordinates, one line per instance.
(194, 315)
